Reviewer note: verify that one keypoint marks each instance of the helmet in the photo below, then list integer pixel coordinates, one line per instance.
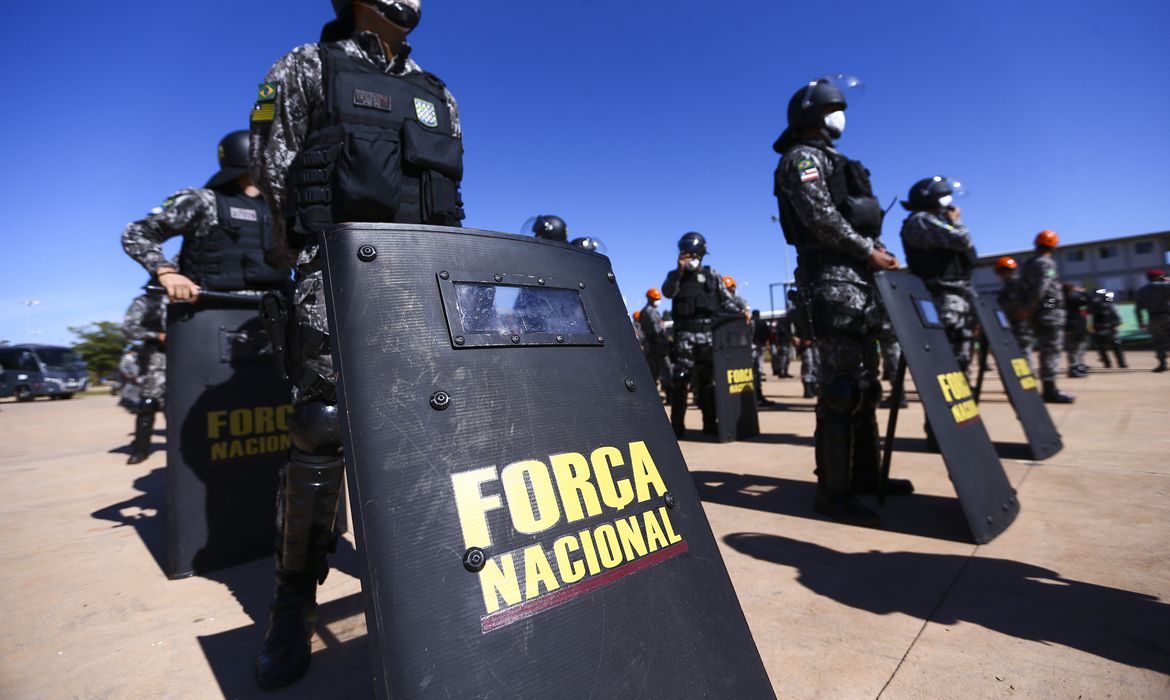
(403, 13)
(729, 281)
(638, 315)
(810, 103)
(1006, 263)
(1047, 239)
(548, 227)
(925, 195)
(693, 243)
(590, 244)
(233, 158)
(1103, 296)
(653, 294)
(1155, 275)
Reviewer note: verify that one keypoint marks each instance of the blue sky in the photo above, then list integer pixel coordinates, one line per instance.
(636, 122)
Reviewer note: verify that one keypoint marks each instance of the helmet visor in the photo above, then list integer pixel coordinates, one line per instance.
(398, 13)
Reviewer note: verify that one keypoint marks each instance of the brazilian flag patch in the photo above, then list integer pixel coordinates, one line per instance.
(267, 92)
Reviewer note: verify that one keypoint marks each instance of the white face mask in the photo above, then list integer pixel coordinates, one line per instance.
(945, 201)
(835, 123)
(655, 303)
(692, 263)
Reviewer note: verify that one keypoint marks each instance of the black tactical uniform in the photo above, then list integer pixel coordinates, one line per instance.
(654, 343)
(698, 300)
(341, 133)
(1076, 330)
(828, 211)
(1106, 321)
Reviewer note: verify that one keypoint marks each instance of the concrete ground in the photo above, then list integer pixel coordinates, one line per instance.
(1070, 602)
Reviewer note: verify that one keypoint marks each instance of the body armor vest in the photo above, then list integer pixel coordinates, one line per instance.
(852, 194)
(696, 302)
(231, 256)
(385, 153)
(939, 264)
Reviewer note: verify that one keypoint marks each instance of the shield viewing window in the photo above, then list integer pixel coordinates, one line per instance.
(928, 312)
(493, 310)
(1003, 319)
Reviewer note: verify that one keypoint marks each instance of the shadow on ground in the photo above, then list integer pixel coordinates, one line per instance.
(1005, 450)
(918, 514)
(1013, 598)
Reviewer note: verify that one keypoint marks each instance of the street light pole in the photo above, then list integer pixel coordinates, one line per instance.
(776, 220)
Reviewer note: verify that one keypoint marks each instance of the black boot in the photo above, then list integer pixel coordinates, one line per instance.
(810, 390)
(1121, 357)
(1106, 362)
(1161, 365)
(867, 460)
(1054, 395)
(284, 656)
(834, 456)
(678, 407)
(143, 428)
(311, 489)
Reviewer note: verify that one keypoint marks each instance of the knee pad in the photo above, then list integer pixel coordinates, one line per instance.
(842, 395)
(314, 429)
(148, 407)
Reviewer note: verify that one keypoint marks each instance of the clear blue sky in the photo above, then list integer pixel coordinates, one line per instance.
(634, 121)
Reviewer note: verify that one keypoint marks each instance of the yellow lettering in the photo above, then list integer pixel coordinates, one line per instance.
(571, 571)
(235, 449)
(630, 535)
(959, 386)
(473, 506)
(670, 534)
(252, 446)
(265, 419)
(654, 535)
(282, 417)
(533, 510)
(603, 460)
(590, 552)
(537, 572)
(572, 474)
(645, 472)
(216, 420)
(219, 449)
(240, 422)
(609, 550)
(946, 390)
(499, 583)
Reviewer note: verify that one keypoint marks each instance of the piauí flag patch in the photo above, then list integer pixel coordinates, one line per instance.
(425, 111)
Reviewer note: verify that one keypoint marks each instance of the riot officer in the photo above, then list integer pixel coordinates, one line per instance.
(146, 324)
(654, 344)
(348, 129)
(803, 341)
(761, 334)
(1153, 303)
(223, 226)
(589, 243)
(1106, 321)
(699, 298)
(1042, 305)
(938, 249)
(828, 211)
(1010, 299)
(781, 346)
(549, 227)
(1076, 329)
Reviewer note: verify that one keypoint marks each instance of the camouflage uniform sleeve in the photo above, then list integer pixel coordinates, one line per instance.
(925, 230)
(453, 107)
(726, 298)
(133, 325)
(186, 213)
(280, 122)
(803, 179)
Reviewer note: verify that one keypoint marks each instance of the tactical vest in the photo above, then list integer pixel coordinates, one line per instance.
(384, 154)
(231, 256)
(939, 265)
(696, 303)
(852, 194)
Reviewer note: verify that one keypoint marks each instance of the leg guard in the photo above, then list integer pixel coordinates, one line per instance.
(678, 402)
(143, 428)
(836, 406)
(312, 487)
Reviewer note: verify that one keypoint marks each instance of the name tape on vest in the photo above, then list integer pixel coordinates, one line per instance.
(373, 100)
(241, 214)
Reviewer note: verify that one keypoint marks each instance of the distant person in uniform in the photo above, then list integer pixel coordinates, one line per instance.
(1153, 313)
(761, 331)
(654, 343)
(1106, 322)
(145, 323)
(1011, 302)
(781, 346)
(1076, 329)
(1042, 304)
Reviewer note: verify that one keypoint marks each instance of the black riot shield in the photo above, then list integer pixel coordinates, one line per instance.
(227, 410)
(988, 499)
(1021, 386)
(525, 520)
(735, 381)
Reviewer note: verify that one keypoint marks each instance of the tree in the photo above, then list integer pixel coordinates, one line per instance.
(101, 344)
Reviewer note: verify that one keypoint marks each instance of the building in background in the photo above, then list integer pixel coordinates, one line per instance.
(1117, 264)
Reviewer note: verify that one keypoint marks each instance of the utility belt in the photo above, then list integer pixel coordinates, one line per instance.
(289, 340)
(694, 325)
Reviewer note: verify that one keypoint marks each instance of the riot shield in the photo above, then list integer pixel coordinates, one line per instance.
(227, 436)
(526, 523)
(1022, 388)
(735, 381)
(988, 499)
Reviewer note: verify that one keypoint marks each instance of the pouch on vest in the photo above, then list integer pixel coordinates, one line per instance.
(439, 157)
(860, 208)
(368, 175)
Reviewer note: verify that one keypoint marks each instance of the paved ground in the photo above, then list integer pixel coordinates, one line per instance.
(1068, 603)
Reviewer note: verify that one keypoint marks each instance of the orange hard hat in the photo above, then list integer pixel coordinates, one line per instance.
(653, 294)
(729, 281)
(1006, 263)
(638, 315)
(1047, 239)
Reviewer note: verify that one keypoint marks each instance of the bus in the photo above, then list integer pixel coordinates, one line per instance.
(29, 371)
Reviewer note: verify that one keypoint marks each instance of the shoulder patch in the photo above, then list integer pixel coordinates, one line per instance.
(425, 111)
(1050, 272)
(268, 92)
(808, 170)
(264, 110)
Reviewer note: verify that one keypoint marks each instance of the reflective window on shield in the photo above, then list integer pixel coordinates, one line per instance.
(929, 313)
(499, 309)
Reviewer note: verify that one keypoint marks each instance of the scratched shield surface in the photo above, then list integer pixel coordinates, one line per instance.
(526, 523)
(1019, 381)
(987, 497)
